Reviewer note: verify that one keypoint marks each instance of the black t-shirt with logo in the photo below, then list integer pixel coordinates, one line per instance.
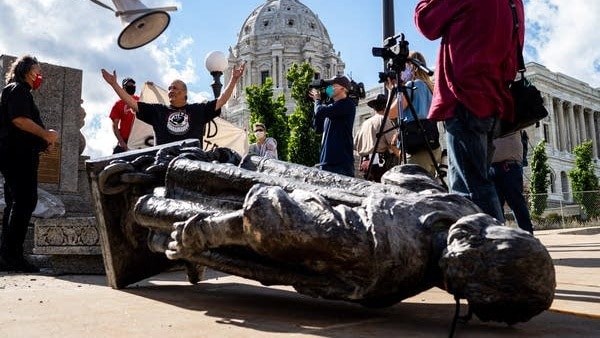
(173, 124)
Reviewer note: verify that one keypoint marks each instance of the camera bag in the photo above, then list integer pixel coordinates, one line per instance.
(528, 102)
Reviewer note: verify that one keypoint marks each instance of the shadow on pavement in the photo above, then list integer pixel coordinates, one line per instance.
(273, 310)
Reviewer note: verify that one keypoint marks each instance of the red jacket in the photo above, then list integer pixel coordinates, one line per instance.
(477, 56)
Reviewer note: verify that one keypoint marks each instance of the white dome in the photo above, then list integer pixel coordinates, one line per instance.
(283, 17)
(276, 35)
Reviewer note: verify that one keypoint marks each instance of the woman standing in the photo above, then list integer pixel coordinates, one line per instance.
(419, 88)
(22, 138)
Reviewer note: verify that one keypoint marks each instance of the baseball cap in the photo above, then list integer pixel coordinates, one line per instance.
(127, 79)
(378, 103)
(341, 80)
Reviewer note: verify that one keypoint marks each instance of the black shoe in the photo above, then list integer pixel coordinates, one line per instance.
(22, 265)
(5, 265)
(18, 265)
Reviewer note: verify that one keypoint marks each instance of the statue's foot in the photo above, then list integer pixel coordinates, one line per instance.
(195, 272)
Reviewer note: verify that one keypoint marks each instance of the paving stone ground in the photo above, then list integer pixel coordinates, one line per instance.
(45, 305)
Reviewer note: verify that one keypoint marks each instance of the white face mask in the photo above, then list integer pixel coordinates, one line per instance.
(407, 74)
(259, 134)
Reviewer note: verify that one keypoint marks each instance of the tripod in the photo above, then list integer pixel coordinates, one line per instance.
(402, 123)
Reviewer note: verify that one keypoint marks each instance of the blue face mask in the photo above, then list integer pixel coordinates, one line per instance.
(329, 90)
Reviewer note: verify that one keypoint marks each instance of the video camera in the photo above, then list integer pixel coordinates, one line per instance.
(394, 53)
(356, 91)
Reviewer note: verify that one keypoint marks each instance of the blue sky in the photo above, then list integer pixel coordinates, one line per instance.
(561, 34)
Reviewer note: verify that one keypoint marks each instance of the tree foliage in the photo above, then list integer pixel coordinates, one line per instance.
(304, 143)
(266, 109)
(584, 181)
(539, 180)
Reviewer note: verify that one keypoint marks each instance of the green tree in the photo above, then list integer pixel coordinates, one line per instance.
(584, 180)
(305, 143)
(539, 180)
(270, 111)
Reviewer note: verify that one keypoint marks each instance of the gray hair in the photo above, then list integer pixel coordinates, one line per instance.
(20, 68)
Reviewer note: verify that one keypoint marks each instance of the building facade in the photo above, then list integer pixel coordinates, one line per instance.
(573, 118)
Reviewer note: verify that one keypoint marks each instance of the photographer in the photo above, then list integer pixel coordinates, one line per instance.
(335, 120)
(419, 89)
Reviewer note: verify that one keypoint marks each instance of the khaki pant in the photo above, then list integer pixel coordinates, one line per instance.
(423, 159)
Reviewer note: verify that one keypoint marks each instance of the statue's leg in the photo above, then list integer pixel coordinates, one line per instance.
(200, 233)
(303, 227)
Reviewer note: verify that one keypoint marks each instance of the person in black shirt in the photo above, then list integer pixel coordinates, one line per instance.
(22, 137)
(179, 120)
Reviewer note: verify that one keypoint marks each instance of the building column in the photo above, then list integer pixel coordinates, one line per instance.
(572, 127)
(593, 131)
(552, 134)
(583, 134)
(561, 129)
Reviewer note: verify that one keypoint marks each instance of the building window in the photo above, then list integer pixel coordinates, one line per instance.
(546, 133)
(552, 182)
(263, 76)
(564, 185)
(266, 23)
(290, 22)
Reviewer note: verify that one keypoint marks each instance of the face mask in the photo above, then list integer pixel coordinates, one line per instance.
(130, 90)
(407, 74)
(329, 91)
(37, 82)
(259, 134)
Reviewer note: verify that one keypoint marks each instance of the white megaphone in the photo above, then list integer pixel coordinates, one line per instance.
(142, 24)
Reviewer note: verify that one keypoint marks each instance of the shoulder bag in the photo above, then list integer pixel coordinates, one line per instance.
(528, 101)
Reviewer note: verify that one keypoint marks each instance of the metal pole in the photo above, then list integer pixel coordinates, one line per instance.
(388, 19)
(216, 85)
(388, 27)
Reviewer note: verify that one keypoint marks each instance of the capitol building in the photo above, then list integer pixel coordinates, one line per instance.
(279, 33)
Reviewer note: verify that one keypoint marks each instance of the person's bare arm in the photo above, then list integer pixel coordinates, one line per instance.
(27, 124)
(111, 79)
(236, 74)
(120, 140)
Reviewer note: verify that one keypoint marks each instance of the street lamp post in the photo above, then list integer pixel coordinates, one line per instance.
(216, 63)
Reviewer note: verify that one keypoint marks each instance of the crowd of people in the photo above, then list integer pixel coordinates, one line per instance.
(467, 99)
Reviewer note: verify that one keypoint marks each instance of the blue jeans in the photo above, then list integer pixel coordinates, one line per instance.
(470, 149)
(508, 178)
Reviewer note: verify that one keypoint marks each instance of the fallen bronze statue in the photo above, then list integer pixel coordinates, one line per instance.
(324, 234)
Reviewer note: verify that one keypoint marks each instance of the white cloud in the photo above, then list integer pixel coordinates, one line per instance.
(563, 36)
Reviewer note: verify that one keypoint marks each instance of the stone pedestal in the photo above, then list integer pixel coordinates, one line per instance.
(72, 242)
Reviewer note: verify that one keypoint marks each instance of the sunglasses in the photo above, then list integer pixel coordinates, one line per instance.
(257, 130)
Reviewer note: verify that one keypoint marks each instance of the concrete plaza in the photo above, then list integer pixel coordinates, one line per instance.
(44, 305)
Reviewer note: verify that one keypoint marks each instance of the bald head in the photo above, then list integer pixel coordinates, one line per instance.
(178, 93)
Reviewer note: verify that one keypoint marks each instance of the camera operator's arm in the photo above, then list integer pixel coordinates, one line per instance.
(337, 110)
(317, 121)
(390, 85)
